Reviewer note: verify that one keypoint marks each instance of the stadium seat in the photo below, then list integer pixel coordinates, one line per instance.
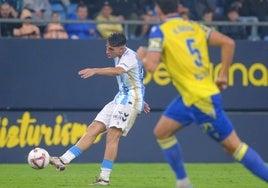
(254, 29)
(71, 9)
(265, 38)
(220, 5)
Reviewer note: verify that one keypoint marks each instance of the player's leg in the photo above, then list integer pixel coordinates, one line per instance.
(112, 141)
(85, 142)
(122, 120)
(111, 150)
(94, 129)
(165, 131)
(245, 155)
(218, 126)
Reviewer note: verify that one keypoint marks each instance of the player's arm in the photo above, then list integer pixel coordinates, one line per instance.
(151, 57)
(108, 71)
(150, 60)
(227, 46)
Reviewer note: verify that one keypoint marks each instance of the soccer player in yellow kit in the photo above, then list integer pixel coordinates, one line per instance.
(182, 46)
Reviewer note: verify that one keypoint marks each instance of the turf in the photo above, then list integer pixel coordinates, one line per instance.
(125, 175)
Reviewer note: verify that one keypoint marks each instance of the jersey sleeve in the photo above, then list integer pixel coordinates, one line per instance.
(206, 29)
(156, 38)
(127, 63)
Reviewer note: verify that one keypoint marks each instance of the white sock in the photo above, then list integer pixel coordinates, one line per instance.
(105, 174)
(67, 157)
(183, 183)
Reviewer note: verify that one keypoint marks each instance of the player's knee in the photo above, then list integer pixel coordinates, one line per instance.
(96, 126)
(232, 143)
(160, 134)
(114, 132)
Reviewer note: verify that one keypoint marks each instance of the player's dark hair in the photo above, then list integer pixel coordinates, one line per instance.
(168, 6)
(117, 39)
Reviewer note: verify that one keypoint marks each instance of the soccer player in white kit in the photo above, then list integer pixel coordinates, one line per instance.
(118, 116)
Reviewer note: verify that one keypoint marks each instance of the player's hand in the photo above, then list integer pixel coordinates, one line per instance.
(222, 83)
(86, 73)
(141, 52)
(147, 108)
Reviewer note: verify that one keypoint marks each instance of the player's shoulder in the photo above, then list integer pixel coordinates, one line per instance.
(129, 57)
(199, 25)
(156, 27)
(156, 32)
(129, 53)
(160, 28)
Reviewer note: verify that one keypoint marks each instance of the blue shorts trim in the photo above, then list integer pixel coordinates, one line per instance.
(217, 125)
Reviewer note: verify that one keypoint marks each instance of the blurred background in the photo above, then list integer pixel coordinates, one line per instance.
(43, 101)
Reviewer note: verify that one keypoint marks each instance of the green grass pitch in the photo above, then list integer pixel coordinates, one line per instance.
(126, 175)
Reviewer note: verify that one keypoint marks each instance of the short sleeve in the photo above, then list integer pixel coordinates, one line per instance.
(156, 38)
(206, 29)
(127, 63)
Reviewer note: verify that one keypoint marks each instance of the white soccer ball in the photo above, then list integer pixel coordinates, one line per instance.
(38, 158)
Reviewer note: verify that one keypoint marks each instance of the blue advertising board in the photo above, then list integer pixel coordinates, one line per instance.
(43, 74)
(43, 101)
(56, 131)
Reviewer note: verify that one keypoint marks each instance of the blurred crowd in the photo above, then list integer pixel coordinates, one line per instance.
(104, 11)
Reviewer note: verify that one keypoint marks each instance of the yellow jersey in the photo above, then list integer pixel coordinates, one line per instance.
(184, 50)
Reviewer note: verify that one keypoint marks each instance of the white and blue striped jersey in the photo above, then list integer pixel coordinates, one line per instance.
(131, 88)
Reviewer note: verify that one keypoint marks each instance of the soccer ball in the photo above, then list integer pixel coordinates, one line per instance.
(38, 158)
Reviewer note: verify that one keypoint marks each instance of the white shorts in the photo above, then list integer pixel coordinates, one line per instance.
(118, 115)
